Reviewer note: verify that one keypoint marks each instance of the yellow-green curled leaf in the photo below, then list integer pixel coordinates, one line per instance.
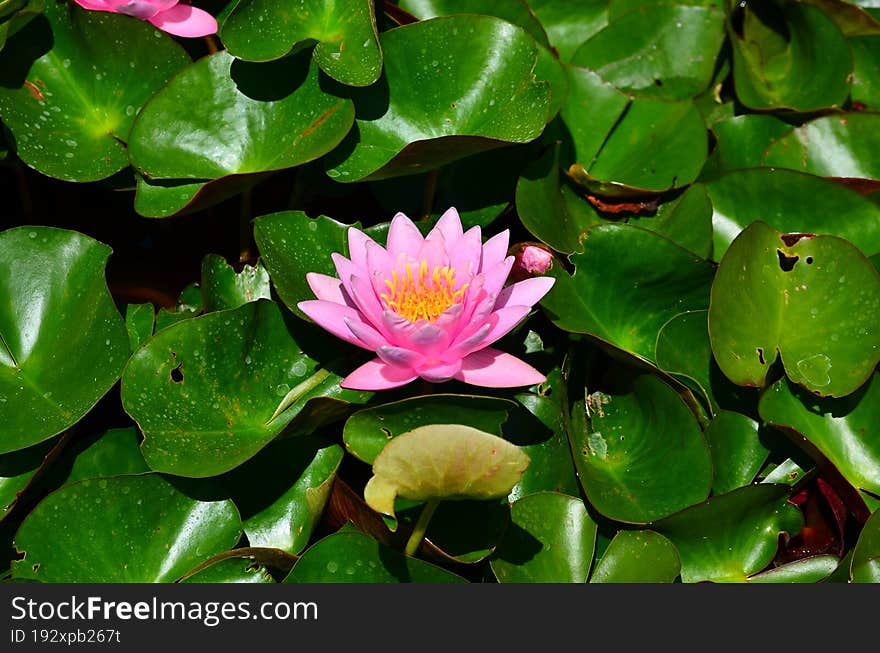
(444, 461)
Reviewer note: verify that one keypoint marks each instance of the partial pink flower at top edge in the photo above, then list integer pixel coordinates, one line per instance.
(167, 15)
(428, 306)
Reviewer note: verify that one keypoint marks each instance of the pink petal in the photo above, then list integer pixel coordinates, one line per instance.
(345, 269)
(400, 356)
(377, 375)
(503, 320)
(433, 250)
(465, 346)
(477, 319)
(525, 293)
(357, 247)
(440, 373)
(365, 299)
(379, 267)
(429, 340)
(95, 5)
(327, 288)
(185, 20)
(449, 225)
(494, 250)
(398, 328)
(465, 256)
(491, 368)
(366, 334)
(332, 316)
(404, 237)
(496, 276)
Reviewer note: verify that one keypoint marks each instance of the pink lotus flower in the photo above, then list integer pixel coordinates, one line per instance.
(428, 306)
(167, 15)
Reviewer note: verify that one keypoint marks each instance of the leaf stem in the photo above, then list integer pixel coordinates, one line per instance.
(244, 227)
(418, 534)
(428, 194)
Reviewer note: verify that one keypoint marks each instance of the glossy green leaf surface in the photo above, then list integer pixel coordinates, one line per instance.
(849, 17)
(567, 29)
(278, 109)
(824, 282)
(807, 570)
(791, 202)
(444, 461)
(737, 451)
(732, 536)
(17, 468)
(790, 55)
(482, 94)
(658, 50)
(552, 468)
(124, 529)
(865, 566)
(139, 321)
(347, 44)
(843, 429)
(550, 539)
(57, 319)
(831, 146)
(349, 556)
(113, 453)
(742, 141)
(517, 12)
(638, 557)
(627, 284)
(281, 492)
(79, 78)
(225, 383)
(223, 287)
(639, 451)
(292, 245)
(232, 569)
(866, 71)
(368, 431)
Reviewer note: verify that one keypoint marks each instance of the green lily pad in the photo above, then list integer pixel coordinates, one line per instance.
(731, 536)
(349, 556)
(549, 208)
(444, 461)
(866, 71)
(17, 469)
(368, 431)
(567, 29)
(161, 198)
(292, 244)
(223, 287)
(546, 443)
(788, 472)
(281, 492)
(831, 146)
(742, 141)
(628, 282)
(657, 50)
(517, 12)
(231, 569)
(843, 429)
(737, 451)
(190, 303)
(113, 453)
(790, 55)
(849, 17)
(639, 451)
(347, 44)
(62, 342)
(865, 566)
(483, 95)
(139, 321)
(791, 202)
(630, 146)
(638, 557)
(550, 539)
(72, 84)
(210, 392)
(824, 284)
(685, 351)
(806, 570)
(124, 529)
(275, 116)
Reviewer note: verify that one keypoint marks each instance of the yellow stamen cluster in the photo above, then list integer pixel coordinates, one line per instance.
(425, 297)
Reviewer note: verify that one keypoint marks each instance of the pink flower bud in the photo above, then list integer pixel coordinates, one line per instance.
(530, 259)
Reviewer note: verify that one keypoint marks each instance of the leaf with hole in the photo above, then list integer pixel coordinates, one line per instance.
(814, 301)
